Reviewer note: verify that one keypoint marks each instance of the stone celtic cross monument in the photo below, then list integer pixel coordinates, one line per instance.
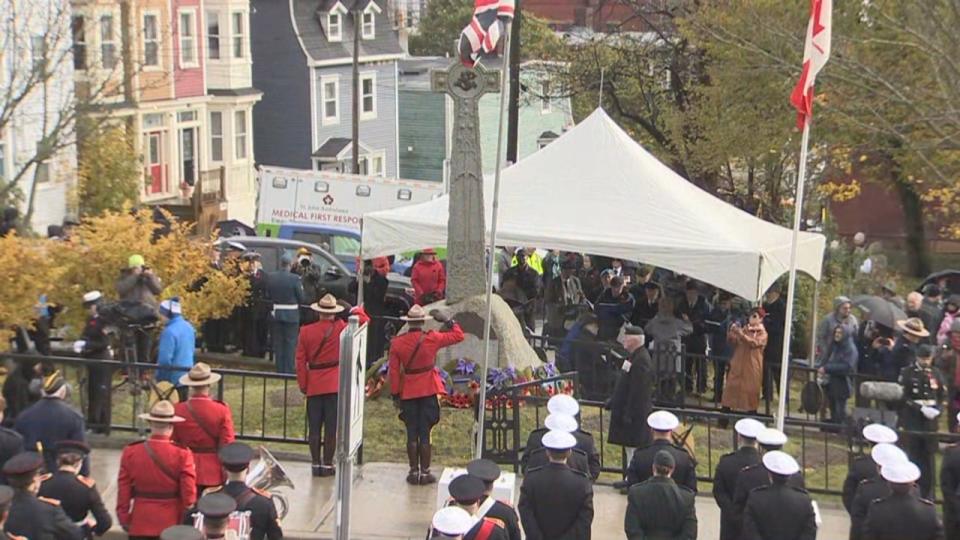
(466, 265)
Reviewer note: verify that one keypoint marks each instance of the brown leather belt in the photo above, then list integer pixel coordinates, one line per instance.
(324, 365)
(419, 370)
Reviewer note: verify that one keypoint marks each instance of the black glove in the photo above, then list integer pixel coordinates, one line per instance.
(396, 402)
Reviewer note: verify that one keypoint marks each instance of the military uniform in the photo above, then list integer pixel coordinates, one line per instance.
(39, 519)
(725, 485)
(155, 485)
(641, 466)
(659, 508)
(868, 491)
(208, 426)
(507, 515)
(753, 477)
(535, 455)
(286, 292)
(922, 386)
(779, 512)
(96, 345)
(318, 376)
(264, 522)
(862, 468)
(556, 503)
(48, 422)
(901, 516)
(11, 444)
(79, 497)
(949, 486)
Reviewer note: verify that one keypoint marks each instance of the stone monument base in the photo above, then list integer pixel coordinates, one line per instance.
(508, 348)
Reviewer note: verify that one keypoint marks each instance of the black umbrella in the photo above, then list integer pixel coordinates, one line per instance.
(881, 310)
(952, 277)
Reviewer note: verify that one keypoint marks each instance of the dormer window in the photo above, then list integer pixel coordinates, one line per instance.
(334, 27)
(369, 25)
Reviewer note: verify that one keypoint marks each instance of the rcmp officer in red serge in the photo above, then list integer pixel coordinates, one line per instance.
(467, 492)
(207, 425)
(318, 375)
(415, 384)
(264, 523)
(34, 517)
(488, 472)
(157, 481)
(77, 493)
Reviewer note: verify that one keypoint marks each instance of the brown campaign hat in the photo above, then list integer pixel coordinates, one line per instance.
(913, 326)
(162, 412)
(416, 313)
(199, 375)
(327, 304)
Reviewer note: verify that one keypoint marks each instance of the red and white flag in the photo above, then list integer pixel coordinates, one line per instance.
(482, 36)
(816, 52)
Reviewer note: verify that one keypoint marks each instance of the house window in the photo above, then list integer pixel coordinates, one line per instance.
(331, 100)
(377, 165)
(79, 44)
(108, 43)
(334, 27)
(213, 35)
(238, 34)
(188, 39)
(545, 96)
(151, 40)
(38, 51)
(240, 134)
(216, 136)
(368, 96)
(368, 25)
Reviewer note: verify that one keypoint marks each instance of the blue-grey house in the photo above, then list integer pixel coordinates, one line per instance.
(302, 61)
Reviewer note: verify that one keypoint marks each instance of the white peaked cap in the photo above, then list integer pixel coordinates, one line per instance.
(663, 421)
(749, 427)
(903, 472)
(561, 422)
(563, 404)
(772, 437)
(559, 440)
(886, 454)
(781, 463)
(92, 296)
(879, 433)
(453, 521)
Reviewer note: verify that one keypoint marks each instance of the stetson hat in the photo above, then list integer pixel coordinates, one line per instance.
(162, 412)
(913, 326)
(327, 304)
(416, 313)
(199, 375)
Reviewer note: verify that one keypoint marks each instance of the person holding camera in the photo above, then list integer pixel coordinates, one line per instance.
(415, 384)
(138, 284)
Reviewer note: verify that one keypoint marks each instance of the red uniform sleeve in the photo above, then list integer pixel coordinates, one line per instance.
(301, 364)
(124, 489)
(450, 337)
(441, 280)
(188, 480)
(393, 371)
(227, 434)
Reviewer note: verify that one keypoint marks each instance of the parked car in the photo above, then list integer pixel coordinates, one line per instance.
(337, 278)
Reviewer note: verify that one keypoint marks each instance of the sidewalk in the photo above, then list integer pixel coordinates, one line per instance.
(386, 507)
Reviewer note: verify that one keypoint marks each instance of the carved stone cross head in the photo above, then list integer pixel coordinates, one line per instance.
(463, 82)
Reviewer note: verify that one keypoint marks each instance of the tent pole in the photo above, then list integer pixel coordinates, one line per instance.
(791, 284)
(492, 247)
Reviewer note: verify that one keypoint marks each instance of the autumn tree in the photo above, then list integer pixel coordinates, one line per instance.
(27, 271)
(100, 247)
(110, 173)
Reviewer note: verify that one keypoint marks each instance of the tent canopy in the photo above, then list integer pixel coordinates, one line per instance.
(595, 190)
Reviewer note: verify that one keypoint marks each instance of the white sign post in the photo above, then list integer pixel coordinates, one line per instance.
(353, 354)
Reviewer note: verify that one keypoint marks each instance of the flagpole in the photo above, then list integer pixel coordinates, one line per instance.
(792, 282)
(492, 246)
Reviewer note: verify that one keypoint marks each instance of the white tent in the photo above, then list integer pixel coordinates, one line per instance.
(595, 190)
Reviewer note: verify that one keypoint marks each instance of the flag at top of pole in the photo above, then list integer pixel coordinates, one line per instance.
(482, 36)
(816, 52)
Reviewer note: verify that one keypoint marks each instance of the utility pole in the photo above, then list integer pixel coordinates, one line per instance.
(513, 111)
(357, 28)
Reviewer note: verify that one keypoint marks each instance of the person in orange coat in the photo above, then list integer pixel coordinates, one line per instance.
(157, 481)
(415, 384)
(207, 425)
(741, 390)
(318, 375)
(429, 279)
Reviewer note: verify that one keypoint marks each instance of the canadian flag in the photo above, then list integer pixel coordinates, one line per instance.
(816, 52)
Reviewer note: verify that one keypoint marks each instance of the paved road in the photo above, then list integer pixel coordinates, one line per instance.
(386, 507)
